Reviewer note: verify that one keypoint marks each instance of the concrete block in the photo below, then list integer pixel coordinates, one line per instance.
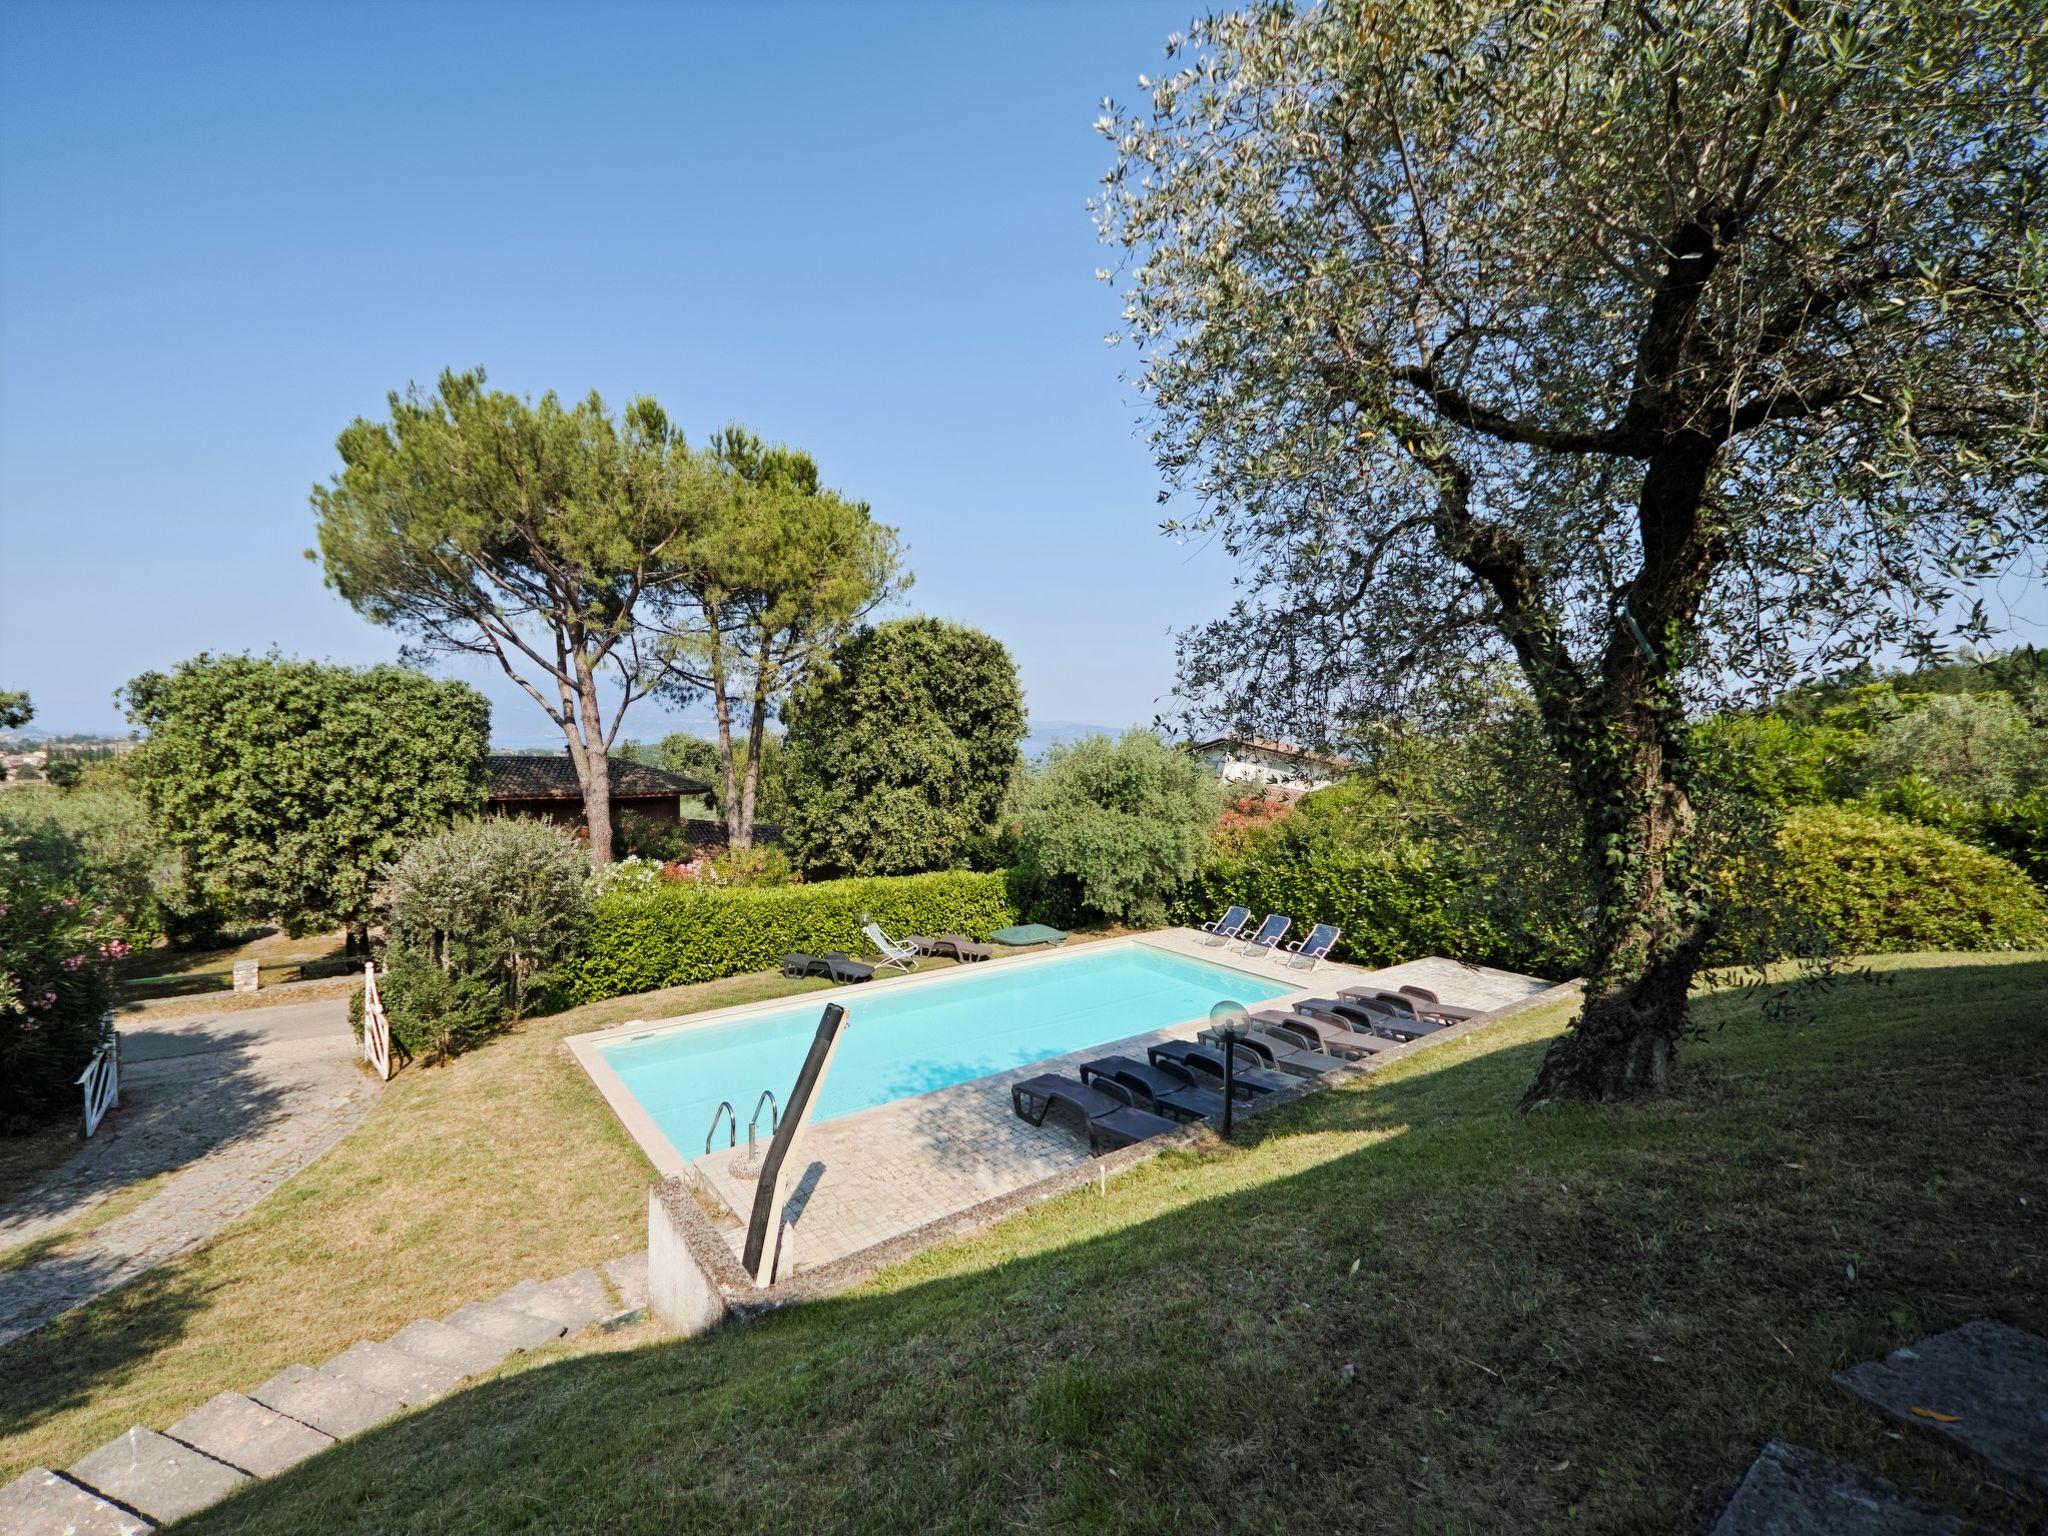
(156, 1475)
(40, 1503)
(248, 1436)
(330, 1404)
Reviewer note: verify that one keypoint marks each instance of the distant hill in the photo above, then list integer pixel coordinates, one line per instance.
(1042, 735)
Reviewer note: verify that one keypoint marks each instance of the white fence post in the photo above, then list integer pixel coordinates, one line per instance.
(376, 1028)
(101, 1081)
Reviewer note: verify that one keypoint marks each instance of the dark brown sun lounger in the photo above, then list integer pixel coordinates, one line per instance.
(961, 947)
(1368, 1014)
(1105, 1109)
(1206, 1061)
(1315, 1034)
(1287, 1053)
(1166, 1090)
(1305, 1050)
(841, 967)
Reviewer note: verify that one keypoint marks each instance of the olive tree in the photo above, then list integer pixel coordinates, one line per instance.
(1669, 349)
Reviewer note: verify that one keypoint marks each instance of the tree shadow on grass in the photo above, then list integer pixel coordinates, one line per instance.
(87, 1356)
(173, 1111)
(1458, 1319)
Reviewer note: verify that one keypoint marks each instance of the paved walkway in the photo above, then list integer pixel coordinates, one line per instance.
(227, 1105)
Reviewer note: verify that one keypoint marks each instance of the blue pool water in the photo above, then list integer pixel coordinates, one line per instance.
(903, 1041)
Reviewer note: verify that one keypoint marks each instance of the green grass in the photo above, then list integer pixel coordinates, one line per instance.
(1399, 1306)
(462, 1180)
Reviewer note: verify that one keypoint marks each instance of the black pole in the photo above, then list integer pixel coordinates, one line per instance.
(761, 1220)
(1229, 1077)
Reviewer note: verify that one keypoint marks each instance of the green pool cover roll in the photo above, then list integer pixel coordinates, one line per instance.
(1029, 933)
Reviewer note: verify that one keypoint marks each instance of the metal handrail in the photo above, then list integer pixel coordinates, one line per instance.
(733, 1137)
(774, 1118)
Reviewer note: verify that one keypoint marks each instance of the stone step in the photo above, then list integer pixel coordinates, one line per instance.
(457, 1348)
(628, 1276)
(586, 1291)
(511, 1326)
(1793, 1492)
(328, 1403)
(573, 1307)
(396, 1372)
(155, 1475)
(40, 1503)
(248, 1436)
(1983, 1386)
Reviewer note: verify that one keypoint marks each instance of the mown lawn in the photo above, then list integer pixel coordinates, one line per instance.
(462, 1180)
(1399, 1307)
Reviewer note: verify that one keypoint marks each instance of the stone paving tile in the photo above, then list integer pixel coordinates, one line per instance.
(395, 1372)
(1983, 1385)
(40, 1503)
(248, 1436)
(628, 1276)
(456, 1348)
(330, 1404)
(511, 1326)
(1792, 1492)
(154, 1474)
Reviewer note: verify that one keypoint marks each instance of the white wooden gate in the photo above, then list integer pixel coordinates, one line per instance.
(101, 1081)
(376, 1028)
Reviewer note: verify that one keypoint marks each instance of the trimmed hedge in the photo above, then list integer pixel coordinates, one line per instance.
(1875, 883)
(1394, 903)
(676, 934)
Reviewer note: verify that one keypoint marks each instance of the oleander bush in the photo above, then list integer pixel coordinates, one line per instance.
(53, 987)
(644, 936)
(1872, 883)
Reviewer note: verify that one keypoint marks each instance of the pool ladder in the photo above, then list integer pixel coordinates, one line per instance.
(726, 1115)
(723, 1112)
(774, 1118)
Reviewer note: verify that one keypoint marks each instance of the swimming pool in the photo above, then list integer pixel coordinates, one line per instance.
(900, 1041)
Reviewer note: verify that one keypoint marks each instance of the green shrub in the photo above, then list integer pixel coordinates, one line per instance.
(1116, 828)
(490, 906)
(641, 938)
(1874, 883)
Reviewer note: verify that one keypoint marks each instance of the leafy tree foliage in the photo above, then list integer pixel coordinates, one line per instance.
(529, 532)
(782, 570)
(99, 838)
(1663, 349)
(693, 756)
(287, 786)
(899, 758)
(1120, 825)
(15, 709)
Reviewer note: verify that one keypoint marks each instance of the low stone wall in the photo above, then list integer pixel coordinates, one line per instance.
(695, 1282)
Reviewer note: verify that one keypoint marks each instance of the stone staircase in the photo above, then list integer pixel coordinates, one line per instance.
(144, 1479)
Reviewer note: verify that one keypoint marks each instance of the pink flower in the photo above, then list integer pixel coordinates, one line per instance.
(114, 949)
(69, 901)
(73, 962)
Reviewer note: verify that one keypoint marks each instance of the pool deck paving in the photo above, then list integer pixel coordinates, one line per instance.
(878, 1173)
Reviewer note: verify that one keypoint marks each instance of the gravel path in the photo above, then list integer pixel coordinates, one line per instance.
(227, 1105)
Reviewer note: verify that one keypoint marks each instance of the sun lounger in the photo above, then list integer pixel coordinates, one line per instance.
(1105, 1109)
(961, 947)
(1166, 1090)
(1317, 946)
(1425, 1002)
(1206, 1061)
(834, 967)
(1282, 1051)
(1369, 1014)
(1227, 927)
(1319, 1035)
(1270, 933)
(900, 956)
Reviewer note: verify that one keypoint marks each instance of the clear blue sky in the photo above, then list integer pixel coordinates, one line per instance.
(225, 230)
